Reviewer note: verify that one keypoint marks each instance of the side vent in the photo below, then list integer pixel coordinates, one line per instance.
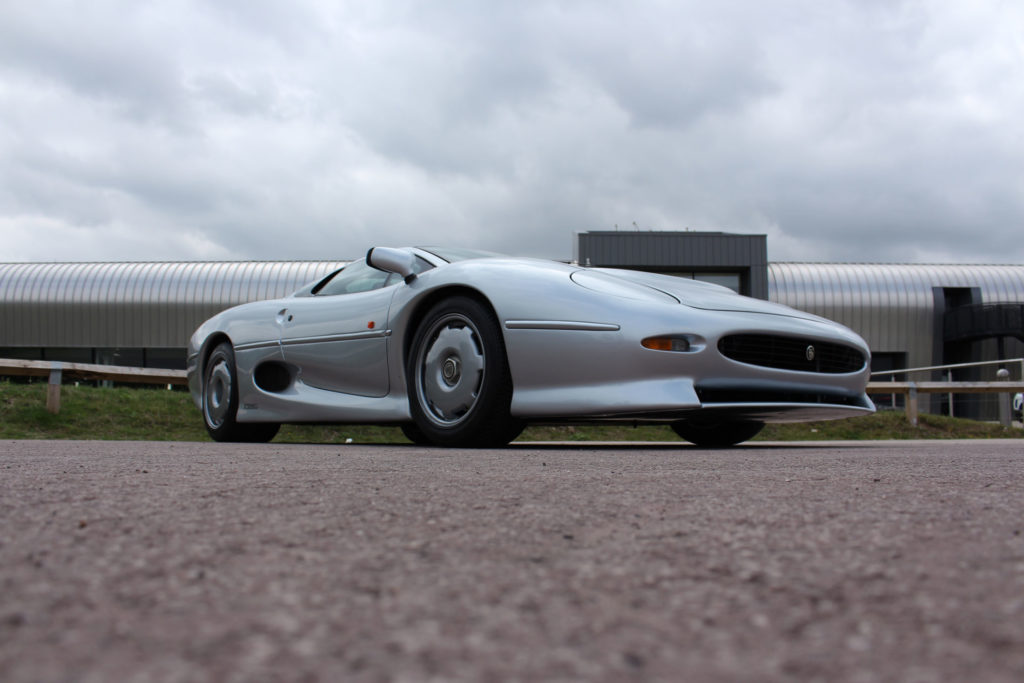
(273, 377)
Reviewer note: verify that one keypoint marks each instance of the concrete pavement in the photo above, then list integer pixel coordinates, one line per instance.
(212, 562)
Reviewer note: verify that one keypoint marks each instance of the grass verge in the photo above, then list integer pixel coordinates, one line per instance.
(132, 413)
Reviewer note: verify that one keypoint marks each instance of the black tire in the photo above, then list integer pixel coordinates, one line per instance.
(413, 433)
(220, 401)
(717, 434)
(458, 379)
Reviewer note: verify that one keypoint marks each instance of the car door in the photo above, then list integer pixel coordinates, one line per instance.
(337, 337)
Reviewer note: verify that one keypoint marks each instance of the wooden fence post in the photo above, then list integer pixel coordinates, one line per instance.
(912, 404)
(53, 389)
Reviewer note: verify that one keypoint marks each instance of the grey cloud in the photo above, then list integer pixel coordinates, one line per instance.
(232, 94)
(674, 71)
(846, 130)
(79, 49)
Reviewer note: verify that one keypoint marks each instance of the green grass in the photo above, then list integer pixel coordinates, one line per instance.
(132, 413)
(118, 413)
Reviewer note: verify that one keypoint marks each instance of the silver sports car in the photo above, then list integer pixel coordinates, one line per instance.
(463, 348)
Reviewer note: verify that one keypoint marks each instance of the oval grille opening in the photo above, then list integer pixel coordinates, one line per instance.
(791, 353)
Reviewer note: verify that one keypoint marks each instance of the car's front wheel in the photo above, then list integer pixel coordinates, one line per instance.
(220, 401)
(717, 434)
(460, 388)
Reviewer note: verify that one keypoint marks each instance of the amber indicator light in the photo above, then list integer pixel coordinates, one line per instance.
(666, 344)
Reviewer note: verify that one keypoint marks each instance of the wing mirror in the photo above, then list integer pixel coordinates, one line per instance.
(392, 261)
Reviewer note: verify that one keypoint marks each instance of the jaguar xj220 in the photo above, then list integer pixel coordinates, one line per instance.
(464, 348)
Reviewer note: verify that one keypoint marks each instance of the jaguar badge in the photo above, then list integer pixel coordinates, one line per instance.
(809, 353)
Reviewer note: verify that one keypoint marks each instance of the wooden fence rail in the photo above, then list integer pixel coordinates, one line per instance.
(912, 389)
(57, 371)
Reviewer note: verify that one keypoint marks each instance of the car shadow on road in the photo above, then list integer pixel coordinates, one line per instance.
(682, 445)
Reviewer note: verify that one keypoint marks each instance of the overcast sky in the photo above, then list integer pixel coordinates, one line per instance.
(867, 130)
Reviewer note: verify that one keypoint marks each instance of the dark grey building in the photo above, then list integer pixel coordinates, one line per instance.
(739, 262)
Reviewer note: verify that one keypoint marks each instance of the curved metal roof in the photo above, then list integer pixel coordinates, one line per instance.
(152, 304)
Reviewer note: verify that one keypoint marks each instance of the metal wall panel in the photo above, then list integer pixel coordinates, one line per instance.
(136, 305)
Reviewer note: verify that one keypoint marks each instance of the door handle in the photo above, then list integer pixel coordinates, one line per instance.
(284, 316)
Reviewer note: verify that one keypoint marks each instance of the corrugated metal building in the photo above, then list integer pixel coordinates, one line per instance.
(918, 315)
(143, 313)
(130, 313)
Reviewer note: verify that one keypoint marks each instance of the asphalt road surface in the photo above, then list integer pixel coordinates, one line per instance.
(211, 562)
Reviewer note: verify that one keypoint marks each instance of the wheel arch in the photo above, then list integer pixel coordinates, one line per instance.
(212, 342)
(424, 305)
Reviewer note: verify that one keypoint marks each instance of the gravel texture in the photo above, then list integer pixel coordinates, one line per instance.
(875, 561)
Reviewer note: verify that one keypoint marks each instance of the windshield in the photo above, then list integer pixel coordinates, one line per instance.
(357, 276)
(453, 254)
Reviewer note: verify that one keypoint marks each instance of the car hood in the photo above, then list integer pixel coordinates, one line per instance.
(704, 295)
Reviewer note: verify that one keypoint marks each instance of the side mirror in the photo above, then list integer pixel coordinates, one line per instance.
(392, 261)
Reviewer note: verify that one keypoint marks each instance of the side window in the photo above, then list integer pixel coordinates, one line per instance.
(355, 277)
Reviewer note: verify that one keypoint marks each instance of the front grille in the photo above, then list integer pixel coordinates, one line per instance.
(791, 353)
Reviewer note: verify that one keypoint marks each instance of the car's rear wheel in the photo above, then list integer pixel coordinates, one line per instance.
(460, 389)
(717, 434)
(220, 401)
